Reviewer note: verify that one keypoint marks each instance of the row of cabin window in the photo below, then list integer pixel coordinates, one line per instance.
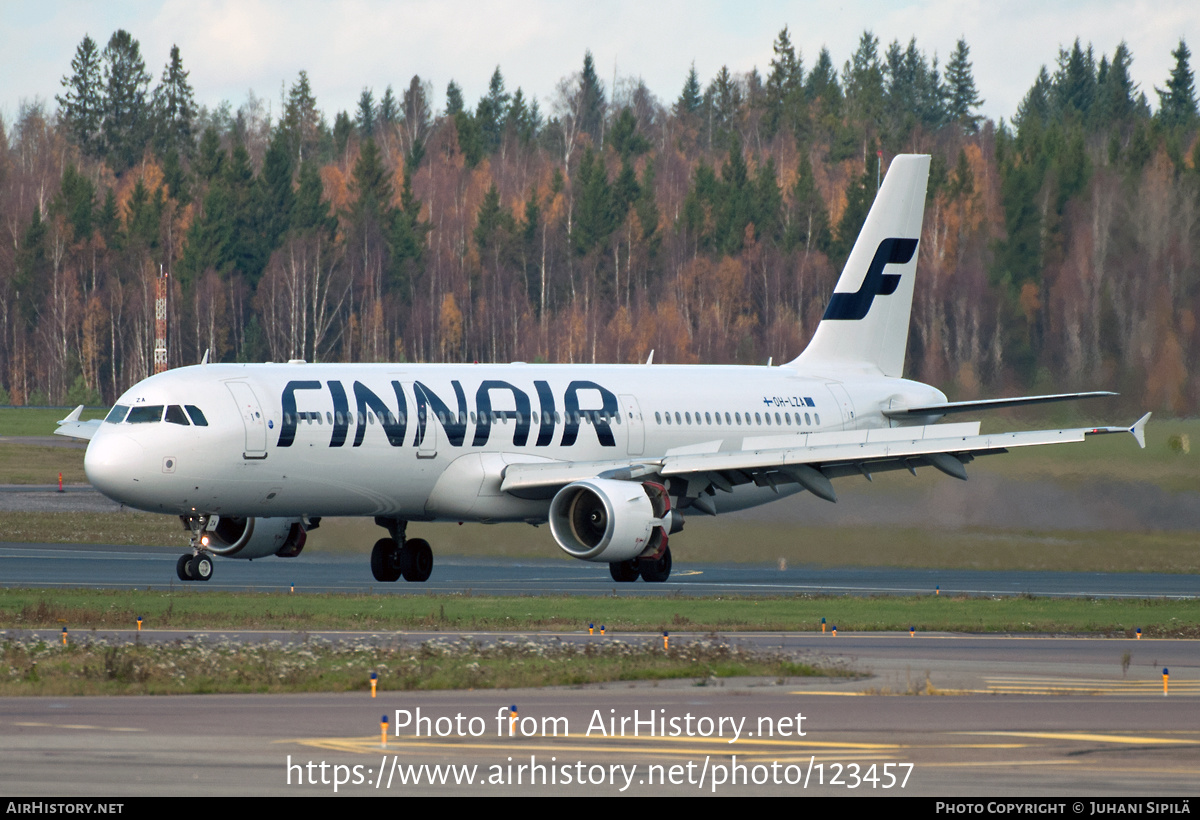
(736, 418)
(150, 413)
(587, 416)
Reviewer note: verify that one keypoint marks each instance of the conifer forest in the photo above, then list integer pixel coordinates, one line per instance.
(1060, 250)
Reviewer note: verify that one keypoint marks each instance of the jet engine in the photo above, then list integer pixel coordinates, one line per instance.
(606, 520)
(254, 537)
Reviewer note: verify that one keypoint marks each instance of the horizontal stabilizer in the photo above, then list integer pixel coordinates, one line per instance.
(988, 404)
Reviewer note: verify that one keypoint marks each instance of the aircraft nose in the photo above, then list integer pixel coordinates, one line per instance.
(113, 464)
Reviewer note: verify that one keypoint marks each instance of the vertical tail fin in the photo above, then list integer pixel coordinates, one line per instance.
(865, 326)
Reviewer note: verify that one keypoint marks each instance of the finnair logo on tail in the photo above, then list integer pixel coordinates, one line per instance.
(855, 305)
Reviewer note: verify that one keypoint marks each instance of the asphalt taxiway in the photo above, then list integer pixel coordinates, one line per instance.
(1050, 717)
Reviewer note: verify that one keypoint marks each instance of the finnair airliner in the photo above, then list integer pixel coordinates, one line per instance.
(251, 457)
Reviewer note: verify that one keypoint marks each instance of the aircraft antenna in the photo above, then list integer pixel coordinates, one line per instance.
(160, 321)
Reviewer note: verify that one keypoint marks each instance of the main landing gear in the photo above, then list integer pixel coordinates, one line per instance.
(651, 570)
(399, 556)
(196, 565)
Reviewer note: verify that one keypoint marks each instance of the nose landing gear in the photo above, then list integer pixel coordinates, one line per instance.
(198, 564)
(194, 567)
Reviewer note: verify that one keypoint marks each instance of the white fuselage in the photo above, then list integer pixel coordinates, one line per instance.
(430, 442)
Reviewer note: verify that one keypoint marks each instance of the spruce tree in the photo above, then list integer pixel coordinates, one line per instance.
(1075, 82)
(961, 96)
(859, 197)
(389, 109)
(492, 112)
(518, 119)
(1177, 102)
(823, 83)
(342, 129)
(1116, 92)
(366, 114)
(32, 273)
(784, 85)
(1036, 107)
(690, 98)
(302, 120)
(591, 103)
(81, 107)
(274, 198)
(647, 208)
(454, 99)
(595, 218)
(407, 235)
(417, 121)
(310, 211)
(809, 229)
(211, 159)
(126, 110)
(174, 109)
(492, 225)
(76, 201)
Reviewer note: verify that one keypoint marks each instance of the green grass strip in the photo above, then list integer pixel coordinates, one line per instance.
(186, 609)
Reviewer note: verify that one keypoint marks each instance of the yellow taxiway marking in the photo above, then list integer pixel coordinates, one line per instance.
(1132, 740)
(892, 693)
(1033, 686)
(994, 763)
(775, 750)
(657, 745)
(1089, 686)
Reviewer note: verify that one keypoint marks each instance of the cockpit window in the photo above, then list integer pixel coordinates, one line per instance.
(117, 414)
(175, 415)
(145, 413)
(197, 417)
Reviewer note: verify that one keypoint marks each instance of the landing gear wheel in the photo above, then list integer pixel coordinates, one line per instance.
(383, 561)
(201, 567)
(181, 567)
(419, 565)
(624, 572)
(657, 571)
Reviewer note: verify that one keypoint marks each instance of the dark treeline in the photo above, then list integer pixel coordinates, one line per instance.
(1059, 249)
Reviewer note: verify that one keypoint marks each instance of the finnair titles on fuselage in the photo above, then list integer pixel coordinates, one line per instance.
(612, 456)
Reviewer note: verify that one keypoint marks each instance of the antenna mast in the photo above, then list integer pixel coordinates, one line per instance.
(160, 321)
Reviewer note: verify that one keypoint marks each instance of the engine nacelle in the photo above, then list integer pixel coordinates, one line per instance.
(605, 520)
(255, 537)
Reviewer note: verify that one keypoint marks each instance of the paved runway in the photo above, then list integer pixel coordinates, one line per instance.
(48, 565)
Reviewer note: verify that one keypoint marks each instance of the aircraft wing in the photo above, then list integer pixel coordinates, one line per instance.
(72, 427)
(808, 459)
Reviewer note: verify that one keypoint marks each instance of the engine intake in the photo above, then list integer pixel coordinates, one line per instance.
(256, 537)
(606, 520)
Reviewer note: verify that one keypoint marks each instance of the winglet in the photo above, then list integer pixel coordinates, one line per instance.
(72, 427)
(1139, 430)
(74, 416)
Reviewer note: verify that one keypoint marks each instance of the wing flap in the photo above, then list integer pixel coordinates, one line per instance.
(866, 450)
